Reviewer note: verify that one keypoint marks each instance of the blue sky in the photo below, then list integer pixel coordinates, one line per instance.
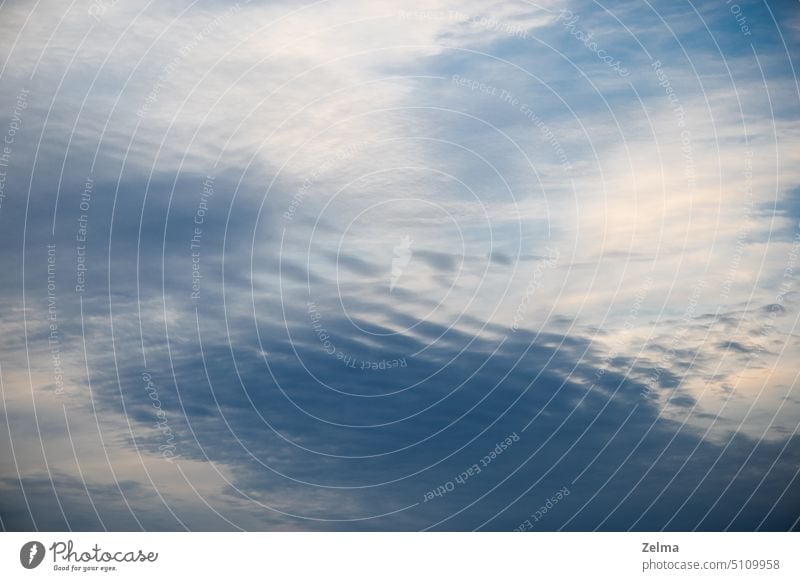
(350, 266)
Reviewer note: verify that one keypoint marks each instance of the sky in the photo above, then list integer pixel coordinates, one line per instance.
(448, 266)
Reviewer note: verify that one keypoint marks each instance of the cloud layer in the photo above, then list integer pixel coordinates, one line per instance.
(347, 266)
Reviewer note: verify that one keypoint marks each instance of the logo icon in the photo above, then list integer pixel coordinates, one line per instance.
(31, 554)
(402, 256)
